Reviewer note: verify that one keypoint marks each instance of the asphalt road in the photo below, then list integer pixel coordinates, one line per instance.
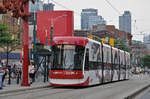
(117, 90)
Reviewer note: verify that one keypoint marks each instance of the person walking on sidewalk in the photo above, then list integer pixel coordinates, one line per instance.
(31, 72)
(2, 72)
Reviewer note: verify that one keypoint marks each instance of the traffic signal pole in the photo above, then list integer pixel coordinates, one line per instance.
(25, 49)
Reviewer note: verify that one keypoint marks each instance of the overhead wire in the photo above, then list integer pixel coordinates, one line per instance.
(113, 7)
(61, 5)
(120, 14)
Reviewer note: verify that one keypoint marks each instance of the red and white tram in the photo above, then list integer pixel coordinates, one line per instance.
(80, 61)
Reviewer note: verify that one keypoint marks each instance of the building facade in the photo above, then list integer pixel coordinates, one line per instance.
(37, 6)
(62, 22)
(48, 7)
(90, 17)
(125, 22)
(147, 41)
(106, 31)
(15, 26)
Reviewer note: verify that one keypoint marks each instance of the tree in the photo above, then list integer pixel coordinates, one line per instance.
(121, 45)
(146, 60)
(7, 42)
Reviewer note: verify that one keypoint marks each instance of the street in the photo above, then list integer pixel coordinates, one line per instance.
(116, 90)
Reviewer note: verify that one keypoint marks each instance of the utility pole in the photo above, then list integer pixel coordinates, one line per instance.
(25, 49)
(34, 34)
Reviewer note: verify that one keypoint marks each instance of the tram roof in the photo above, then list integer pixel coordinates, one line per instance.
(70, 40)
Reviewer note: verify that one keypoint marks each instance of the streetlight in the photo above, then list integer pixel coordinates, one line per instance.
(34, 33)
(46, 36)
(52, 24)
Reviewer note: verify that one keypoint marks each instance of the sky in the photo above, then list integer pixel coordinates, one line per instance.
(139, 10)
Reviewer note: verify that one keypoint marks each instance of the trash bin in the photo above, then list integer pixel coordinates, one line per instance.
(1, 76)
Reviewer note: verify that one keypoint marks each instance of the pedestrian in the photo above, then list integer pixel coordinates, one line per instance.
(2, 72)
(1, 76)
(31, 72)
(4, 76)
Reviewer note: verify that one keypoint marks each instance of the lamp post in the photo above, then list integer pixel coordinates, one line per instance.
(34, 34)
(46, 36)
(52, 25)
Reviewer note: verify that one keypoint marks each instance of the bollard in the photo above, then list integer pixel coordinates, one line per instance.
(9, 74)
(17, 77)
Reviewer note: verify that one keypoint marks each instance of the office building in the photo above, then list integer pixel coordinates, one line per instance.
(147, 41)
(48, 7)
(90, 17)
(37, 6)
(125, 22)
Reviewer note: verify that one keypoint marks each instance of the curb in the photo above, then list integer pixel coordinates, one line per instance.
(133, 95)
(24, 89)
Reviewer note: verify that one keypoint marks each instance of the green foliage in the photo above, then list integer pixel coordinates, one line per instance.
(3, 27)
(121, 45)
(99, 40)
(146, 60)
(6, 40)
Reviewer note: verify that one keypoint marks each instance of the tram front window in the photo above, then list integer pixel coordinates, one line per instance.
(68, 57)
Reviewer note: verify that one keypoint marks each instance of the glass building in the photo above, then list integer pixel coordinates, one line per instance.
(90, 17)
(48, 7)
(125, 22)
(37, 6)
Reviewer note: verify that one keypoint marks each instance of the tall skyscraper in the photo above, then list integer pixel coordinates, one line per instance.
(48, 7)
(125, 22)
(89, 17)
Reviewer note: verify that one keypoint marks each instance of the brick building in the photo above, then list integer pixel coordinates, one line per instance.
(16, 28)
(109, 31)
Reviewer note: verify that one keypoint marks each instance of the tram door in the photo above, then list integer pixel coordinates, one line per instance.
(86, 64)
(86, 67)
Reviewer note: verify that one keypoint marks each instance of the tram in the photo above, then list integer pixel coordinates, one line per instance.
(80, 61)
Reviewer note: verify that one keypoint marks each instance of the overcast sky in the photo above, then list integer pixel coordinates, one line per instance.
(138, 8)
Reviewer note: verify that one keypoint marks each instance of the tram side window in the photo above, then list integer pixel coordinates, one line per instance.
(93, 65)
(87, 60)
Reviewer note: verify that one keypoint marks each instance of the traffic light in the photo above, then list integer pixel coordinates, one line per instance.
(90, 37)
(103, 40)
(111, 41)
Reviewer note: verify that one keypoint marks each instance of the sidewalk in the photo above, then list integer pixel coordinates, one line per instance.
(18, 87)
(139, 90)
(14, 87)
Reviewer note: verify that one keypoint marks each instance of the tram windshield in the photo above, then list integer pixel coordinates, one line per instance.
(67, 57)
